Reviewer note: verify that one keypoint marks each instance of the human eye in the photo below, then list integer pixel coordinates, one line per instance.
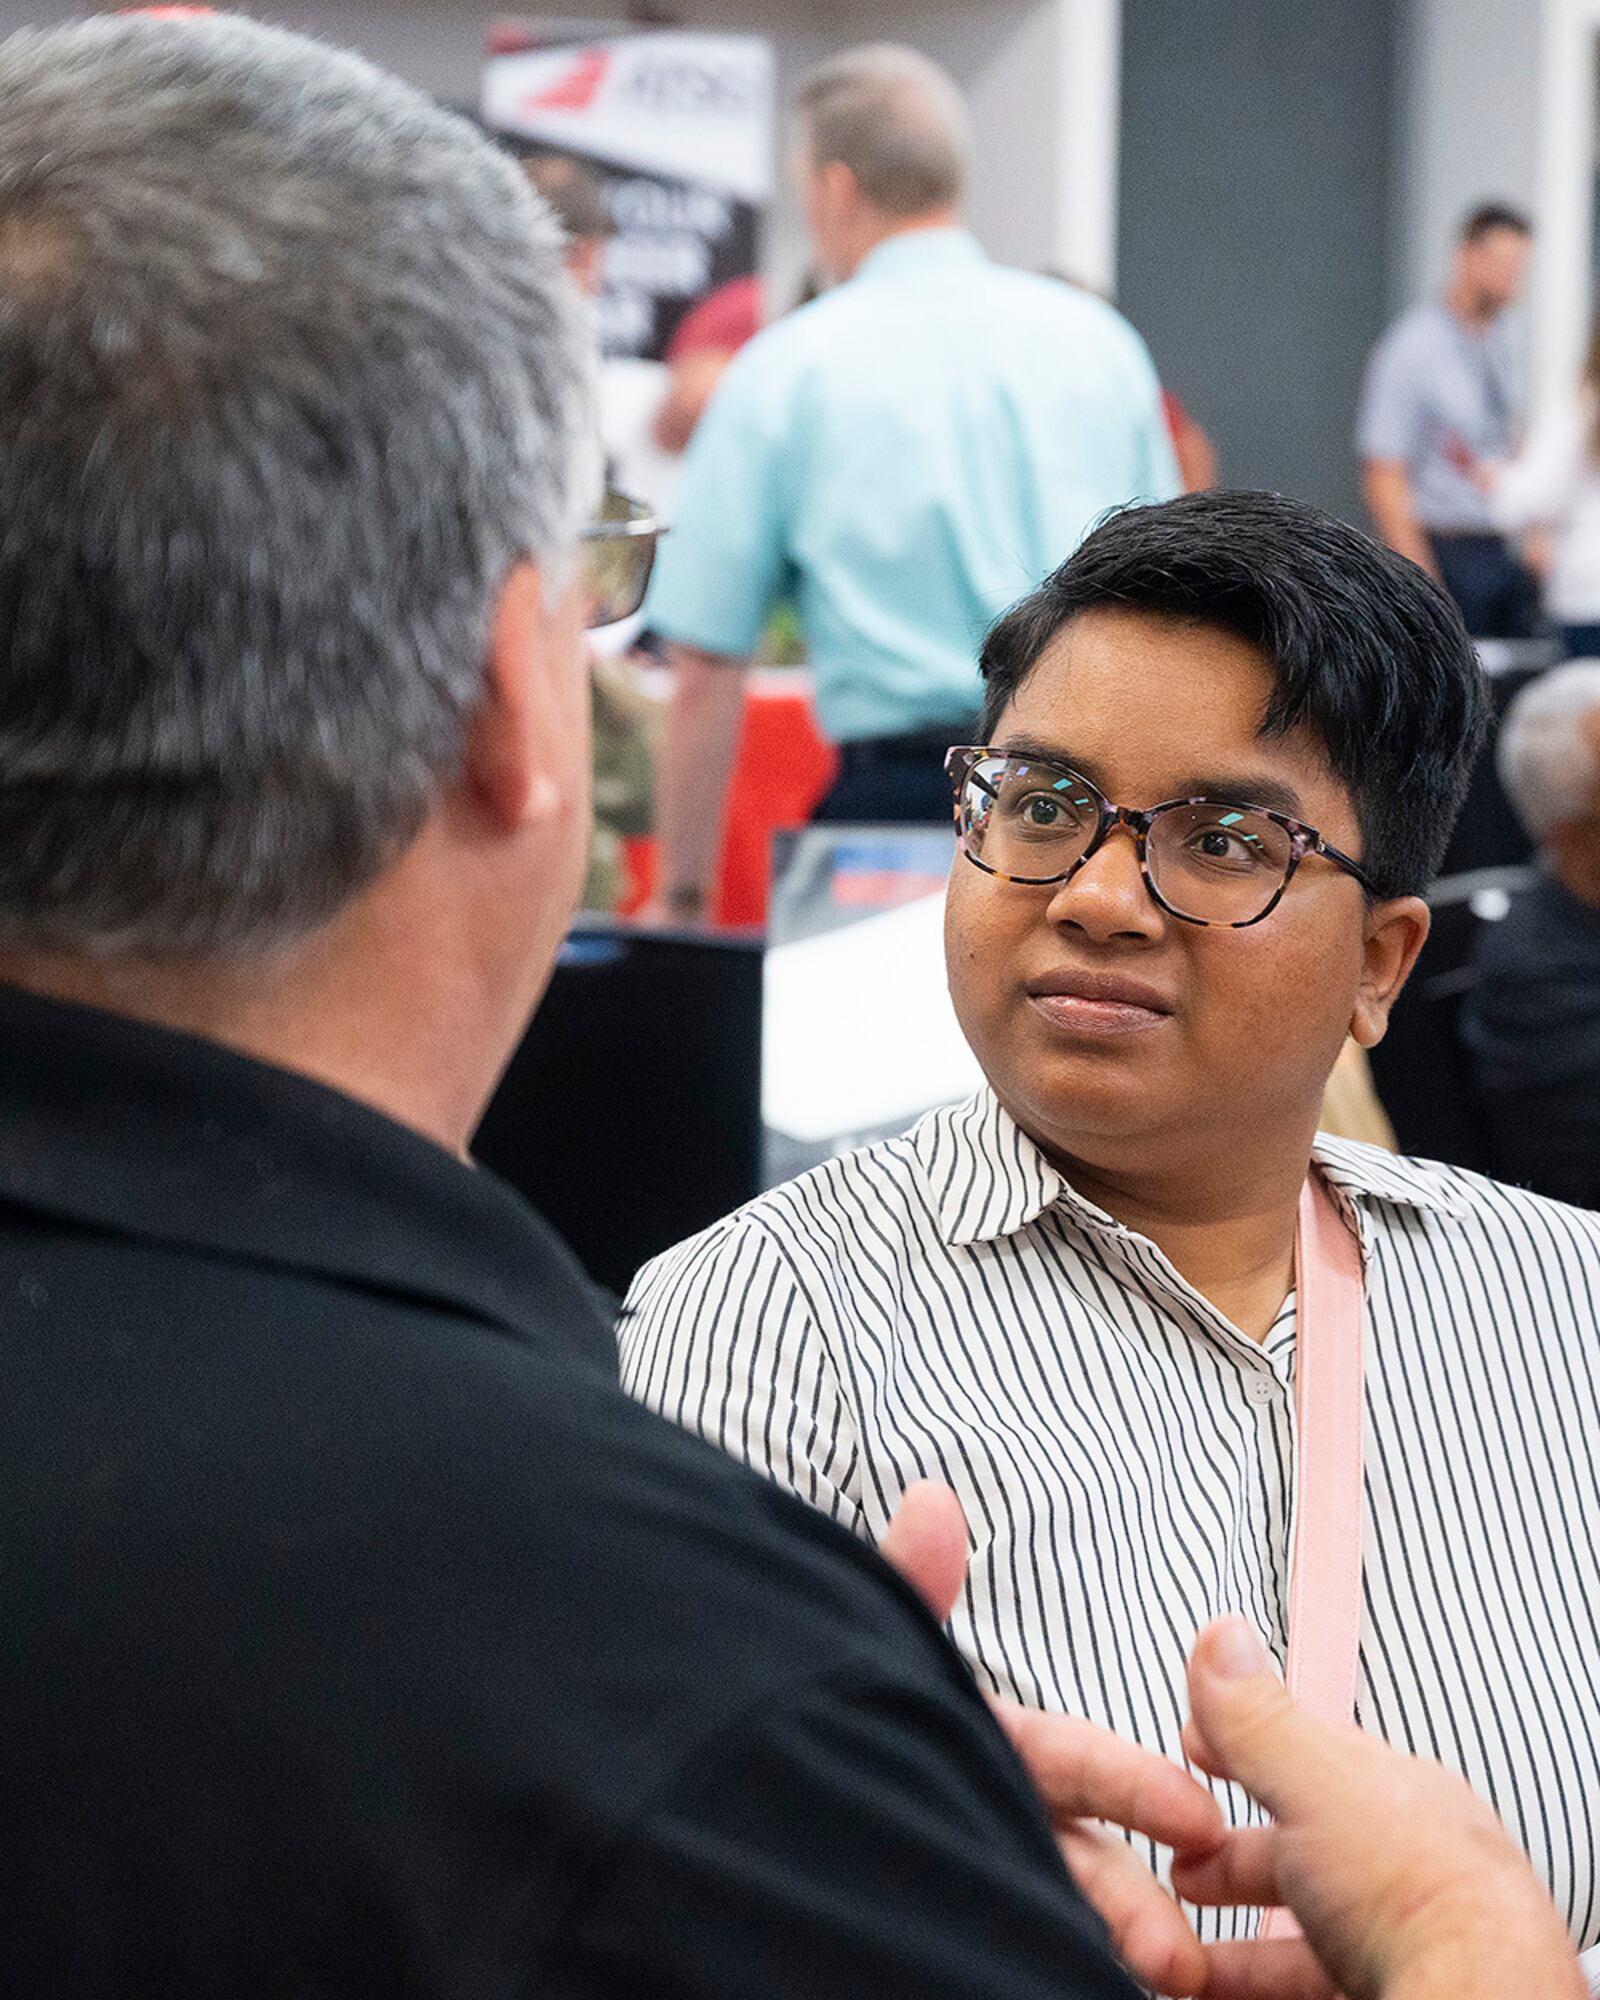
(1232, 842)
(1039, 812)
(1039, 805)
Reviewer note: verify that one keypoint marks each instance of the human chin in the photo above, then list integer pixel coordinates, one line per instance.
(1072, 1083)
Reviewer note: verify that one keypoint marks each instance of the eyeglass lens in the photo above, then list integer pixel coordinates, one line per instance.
(616, 577)
(1216, 863)
(617, 567)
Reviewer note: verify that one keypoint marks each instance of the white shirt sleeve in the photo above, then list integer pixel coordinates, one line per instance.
(1538, 487)
(718, 1335)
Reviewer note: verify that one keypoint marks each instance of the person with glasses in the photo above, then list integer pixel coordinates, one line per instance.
(361, 1636)
(1220, 753)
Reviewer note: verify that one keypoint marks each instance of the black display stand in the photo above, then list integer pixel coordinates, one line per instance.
(631, 1114)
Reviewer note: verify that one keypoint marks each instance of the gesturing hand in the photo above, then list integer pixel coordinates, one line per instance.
(1407, 1886)
(1084, 1774)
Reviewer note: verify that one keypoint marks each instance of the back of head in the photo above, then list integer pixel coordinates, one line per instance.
(1365, 651)
(897, 121)
(289, 380)
(1549, 748)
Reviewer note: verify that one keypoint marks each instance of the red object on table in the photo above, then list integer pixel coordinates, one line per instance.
(781, 769)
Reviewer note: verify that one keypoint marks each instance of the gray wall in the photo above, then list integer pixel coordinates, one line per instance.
(1254, 221)
(1467, 129)
(435, 43)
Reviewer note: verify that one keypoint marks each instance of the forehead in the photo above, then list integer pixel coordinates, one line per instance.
(1501, 245)
(1151, 703)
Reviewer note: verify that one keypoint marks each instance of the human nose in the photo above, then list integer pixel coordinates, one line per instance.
(1107, 897)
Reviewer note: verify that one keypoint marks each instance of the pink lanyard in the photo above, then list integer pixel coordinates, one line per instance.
(1330, 1410)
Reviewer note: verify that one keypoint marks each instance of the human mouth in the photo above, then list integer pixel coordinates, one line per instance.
(1098, 1003)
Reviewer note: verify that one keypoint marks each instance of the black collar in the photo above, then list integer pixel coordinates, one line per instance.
(157, 1135)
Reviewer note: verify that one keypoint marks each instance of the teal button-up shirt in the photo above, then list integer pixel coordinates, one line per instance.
(908, 455)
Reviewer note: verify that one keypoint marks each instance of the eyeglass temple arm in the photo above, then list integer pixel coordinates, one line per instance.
(1345, 861)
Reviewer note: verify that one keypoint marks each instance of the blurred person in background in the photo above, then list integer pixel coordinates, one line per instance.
(632, 387)
(907, 454)
(361, 1637)
(1221, 751)
(1191, 444)
(1532, 1019)
(576, 196)
(1554, 485)
(1442, 394)
(620, 717)
(703, 343)
(1192, 447)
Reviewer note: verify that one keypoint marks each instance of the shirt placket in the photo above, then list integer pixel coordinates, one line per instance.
(1264, 1372)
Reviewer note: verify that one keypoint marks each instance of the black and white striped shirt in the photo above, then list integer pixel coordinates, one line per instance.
(945, 1306)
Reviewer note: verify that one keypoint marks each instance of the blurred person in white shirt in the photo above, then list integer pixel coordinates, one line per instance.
(1554, 484)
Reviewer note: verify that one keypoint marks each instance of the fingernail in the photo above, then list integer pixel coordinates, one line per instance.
(1236, 1652)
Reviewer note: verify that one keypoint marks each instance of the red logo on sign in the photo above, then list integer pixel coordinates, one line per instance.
(578, 89)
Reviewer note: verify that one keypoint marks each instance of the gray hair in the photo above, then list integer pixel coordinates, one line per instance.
(290, 378)
(896, 120)
(1547, 764)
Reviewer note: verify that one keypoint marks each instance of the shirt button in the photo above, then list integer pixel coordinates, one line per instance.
(1260, 1389)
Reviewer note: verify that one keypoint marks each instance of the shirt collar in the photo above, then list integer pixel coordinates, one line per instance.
(111, 1124)
(988, 1179)
(920, 250)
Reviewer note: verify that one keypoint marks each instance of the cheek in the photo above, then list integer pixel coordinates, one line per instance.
(983, 930)
(1286, 986)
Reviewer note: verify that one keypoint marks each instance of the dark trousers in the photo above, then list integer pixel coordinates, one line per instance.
(1581, 642)
(1494, 590)
(894, 779)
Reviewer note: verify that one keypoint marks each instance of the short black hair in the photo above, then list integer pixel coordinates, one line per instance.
(1491, 215)
(1366, 651)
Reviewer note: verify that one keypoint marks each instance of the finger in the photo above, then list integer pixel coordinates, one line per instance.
(1199, 1752)
(927, 1542)
(1152, 1936)
(1250, 1731)
(1244, 1869)
(1269, 1969)
(1086, 1772)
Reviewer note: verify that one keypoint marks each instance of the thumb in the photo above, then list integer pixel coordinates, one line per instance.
(1244, 1727)
(927, 1542)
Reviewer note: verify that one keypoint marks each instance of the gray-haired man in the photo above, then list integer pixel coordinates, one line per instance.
(1533, 1017)
(907, 455)
(360, 1637)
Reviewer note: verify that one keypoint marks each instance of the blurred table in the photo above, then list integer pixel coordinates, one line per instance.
(781, 769)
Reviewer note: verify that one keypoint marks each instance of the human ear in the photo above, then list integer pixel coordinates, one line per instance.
(841, 190)
(529, 731)
(1574, 848)
(1396, 931)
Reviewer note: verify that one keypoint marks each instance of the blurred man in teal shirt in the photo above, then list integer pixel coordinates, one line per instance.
(905, 456)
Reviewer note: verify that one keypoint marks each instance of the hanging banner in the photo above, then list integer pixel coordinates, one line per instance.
(678, 124)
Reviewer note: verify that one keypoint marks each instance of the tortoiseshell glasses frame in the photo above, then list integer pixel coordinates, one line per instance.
(1227, 856)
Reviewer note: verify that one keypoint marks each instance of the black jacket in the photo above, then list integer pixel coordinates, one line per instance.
(360, 1637)
(1532, 1024)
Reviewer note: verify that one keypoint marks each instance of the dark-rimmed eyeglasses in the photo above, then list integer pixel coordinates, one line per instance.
(619, 552)
(1205, 861)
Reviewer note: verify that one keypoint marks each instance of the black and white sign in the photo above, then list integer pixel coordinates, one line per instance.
(679, 124)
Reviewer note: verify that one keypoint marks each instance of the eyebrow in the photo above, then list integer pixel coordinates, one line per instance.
(1244, 788)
